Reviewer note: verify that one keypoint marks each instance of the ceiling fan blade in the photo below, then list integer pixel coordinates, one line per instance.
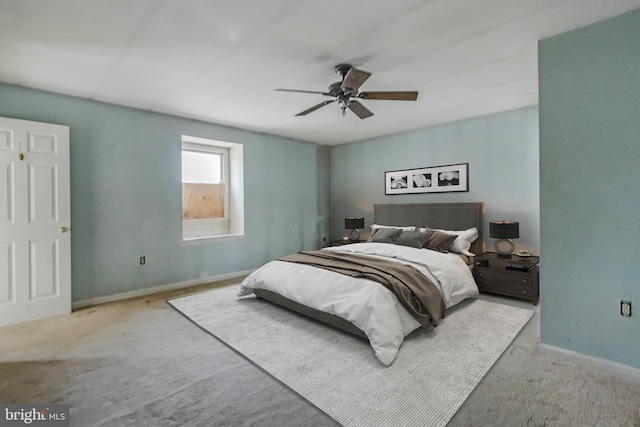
(304, 91)
(314, 108)
(360, 110)
(390, 96)
(354, 78)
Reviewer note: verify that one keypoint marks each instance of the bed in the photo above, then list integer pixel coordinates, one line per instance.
(363, 307)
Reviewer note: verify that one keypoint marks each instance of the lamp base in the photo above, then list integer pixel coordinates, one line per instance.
(502, 252)
(355, 234)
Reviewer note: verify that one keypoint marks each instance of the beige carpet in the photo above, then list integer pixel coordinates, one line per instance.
(435, 371)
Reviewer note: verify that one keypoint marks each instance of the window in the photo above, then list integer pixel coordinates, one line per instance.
(204, 182)
(212, 188)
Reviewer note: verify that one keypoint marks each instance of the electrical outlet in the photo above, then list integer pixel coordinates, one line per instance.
(625, 308)
(143, 260)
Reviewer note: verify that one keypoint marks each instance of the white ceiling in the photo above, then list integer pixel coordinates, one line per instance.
(219, 60)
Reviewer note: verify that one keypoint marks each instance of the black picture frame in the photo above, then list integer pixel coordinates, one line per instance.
(433, 179)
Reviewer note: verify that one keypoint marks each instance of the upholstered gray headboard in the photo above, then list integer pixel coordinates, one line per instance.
(448, 216)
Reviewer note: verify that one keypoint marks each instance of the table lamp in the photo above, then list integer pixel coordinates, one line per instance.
(504, 231)
(354, 224)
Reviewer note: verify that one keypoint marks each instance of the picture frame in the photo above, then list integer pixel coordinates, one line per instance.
(433, 179)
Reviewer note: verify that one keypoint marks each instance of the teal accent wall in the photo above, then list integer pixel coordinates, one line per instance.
(590, 199)
(126, 194)
(502, 152)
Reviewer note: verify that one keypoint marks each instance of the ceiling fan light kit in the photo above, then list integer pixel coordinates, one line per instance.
(345, 90)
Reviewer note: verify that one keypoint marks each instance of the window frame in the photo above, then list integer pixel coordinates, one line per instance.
(224, 172)
(232, 225)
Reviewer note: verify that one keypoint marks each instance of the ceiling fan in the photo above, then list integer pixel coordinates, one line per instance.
(346, 90)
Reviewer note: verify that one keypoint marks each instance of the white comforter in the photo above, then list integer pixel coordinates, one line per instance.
(368, 305)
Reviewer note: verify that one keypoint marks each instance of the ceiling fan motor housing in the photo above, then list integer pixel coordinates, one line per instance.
(335, 89)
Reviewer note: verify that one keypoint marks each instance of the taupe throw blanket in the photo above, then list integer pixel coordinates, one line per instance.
(414, 290)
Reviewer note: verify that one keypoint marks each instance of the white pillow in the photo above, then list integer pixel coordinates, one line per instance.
(375, 227)
(463, 242)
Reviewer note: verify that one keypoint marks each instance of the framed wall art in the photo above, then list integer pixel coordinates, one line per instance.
(435, 179)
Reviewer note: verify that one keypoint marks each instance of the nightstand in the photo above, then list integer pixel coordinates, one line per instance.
(345, 242)
(502, 276)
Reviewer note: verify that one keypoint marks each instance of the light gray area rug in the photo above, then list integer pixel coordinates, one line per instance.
(434, 373)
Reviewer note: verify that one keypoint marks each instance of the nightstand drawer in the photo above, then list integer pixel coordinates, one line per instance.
(510, 283)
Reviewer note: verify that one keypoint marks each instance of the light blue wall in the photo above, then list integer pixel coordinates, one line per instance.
(126, 194)
(502, 152)
(590, 199)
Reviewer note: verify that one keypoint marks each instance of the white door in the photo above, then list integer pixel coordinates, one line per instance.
(35, 241)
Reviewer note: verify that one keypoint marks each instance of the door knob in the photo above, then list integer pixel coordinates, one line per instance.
(64, 229)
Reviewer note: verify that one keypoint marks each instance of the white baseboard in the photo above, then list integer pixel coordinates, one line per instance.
(615, 368)
(155, 289)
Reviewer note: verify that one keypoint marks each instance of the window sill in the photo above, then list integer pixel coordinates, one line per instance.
(208, 239)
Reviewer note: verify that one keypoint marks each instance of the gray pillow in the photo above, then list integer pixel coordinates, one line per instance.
(414, 239)
(385, 235)
(440, 241)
